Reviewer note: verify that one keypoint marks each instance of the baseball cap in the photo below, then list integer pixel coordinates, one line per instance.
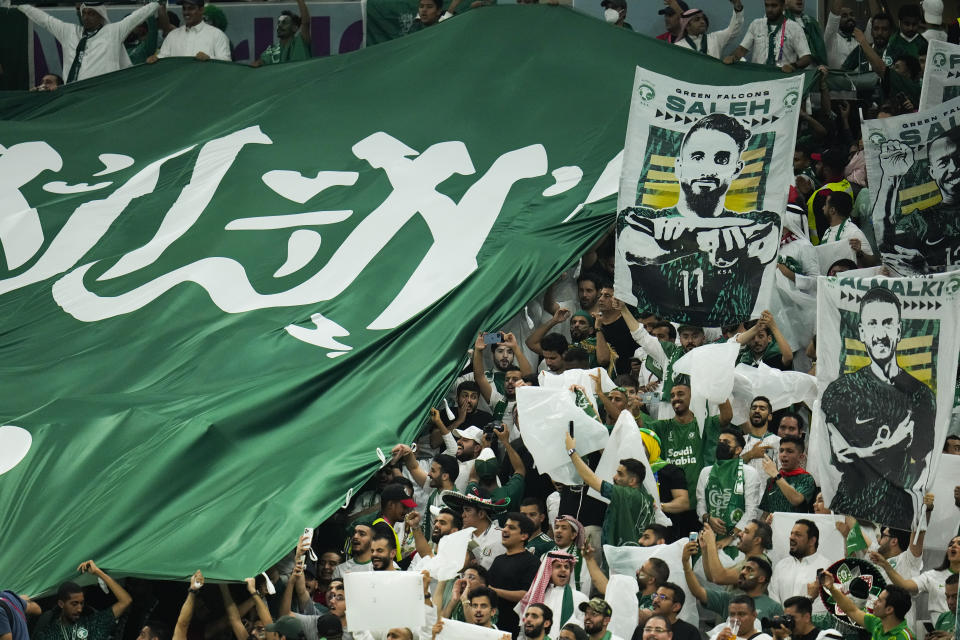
(598, 605)
(613, 4)
(668, 11)
(932, 11)
(396, 492)
(470, 433)
(328, 626)
(287, 626)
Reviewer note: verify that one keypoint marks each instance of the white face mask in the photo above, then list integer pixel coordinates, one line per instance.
(611, 15)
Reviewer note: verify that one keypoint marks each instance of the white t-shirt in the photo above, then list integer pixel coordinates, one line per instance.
(490, 544)
(752, 493)
(844, 232)
(350, 566)
(838, 45)
(933, 583)
(716, 40)
(769, 439)
(786, 49)
(187, 41)
(791, 576)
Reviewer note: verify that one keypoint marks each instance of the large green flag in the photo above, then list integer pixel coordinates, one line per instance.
(224, 288)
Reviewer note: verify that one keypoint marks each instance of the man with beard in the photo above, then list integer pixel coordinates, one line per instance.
(467, 413)
(582, 334)
(383, 548)
(927, 240)
(881, 422)
(792, 574)
(447, 521)
(536, 509)
(774, 40)
(596, 619)
(760, 443)
(500, 402)
(631, 508)
(483, 605)
(698, 262)
(359, 552)
(95, 46)
(754, 541)
(728, 491)
(551, 585)
(443, 472)
(753, 580)
(712, 44)
(470, 443)
(588, 292)
(537, 622)
(503, 353)
(680, 437)
(613, 326)
(293, 38)
(668, 602)
(194, 38)
(933, 582)
(789, 488)
(662, 352)
(510, 574)
(838, 34)
(72, 624)
(881, 28)
(763, 342)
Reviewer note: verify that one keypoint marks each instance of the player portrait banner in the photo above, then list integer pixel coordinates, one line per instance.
(941, 74)
(704, 184)
(913, 166)
(886, 368)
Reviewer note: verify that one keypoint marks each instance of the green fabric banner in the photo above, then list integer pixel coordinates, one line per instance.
(224, 288)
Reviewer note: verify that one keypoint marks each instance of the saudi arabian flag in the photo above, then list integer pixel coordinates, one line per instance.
(224, 288)
(941, 74)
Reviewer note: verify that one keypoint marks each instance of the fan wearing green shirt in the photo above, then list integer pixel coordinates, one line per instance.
(293, 38)
(887, 622)
(947, 621)
(680, 437)
(631, 507)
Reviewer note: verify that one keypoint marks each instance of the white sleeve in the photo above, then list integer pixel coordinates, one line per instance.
(747, 42)
(724, 36)
(650, 344)
(800, 43)
(129, 23)
(55, 26)
(168, 41)
(702, 491)
(832, 30)
(221, 49)
(450, 443)
(752, 494)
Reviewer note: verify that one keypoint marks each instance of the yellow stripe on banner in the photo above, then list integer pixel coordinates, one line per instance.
(918, 190)
(852, 344)
(753, 154)
(915, 360)
(659, 200)
(756, 167)
(668, 176)
(662, 161)
(920, 205)
(856, 362)
(665, 187)
(741, 201)
(745, 183)
(923, 375)
(917, 342)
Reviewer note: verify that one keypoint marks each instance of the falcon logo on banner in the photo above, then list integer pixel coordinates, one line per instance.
(704, 185)
(941, 74)
(914, 162)
(886, 366)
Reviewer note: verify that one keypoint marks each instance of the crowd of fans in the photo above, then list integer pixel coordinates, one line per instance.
(535, 565)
